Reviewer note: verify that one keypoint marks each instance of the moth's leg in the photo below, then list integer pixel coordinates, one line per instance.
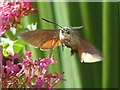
(50, 54)
(72, 51)
(62, 46)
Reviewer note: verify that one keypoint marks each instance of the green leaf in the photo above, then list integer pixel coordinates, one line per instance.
(5, 53)
(18, 46)
(12, 47)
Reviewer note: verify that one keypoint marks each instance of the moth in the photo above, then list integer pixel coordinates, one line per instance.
(66, 36)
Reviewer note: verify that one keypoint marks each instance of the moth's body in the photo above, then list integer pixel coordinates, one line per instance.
(86, 51)
(69, 38)
(49, 39)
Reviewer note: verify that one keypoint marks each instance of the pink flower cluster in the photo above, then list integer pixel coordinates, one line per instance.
(12, 12)
(32, 74)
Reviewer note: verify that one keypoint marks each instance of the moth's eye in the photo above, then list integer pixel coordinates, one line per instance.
(63, 31)
(68, 32)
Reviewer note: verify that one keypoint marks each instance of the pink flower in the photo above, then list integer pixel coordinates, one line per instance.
(28, 54)
(9, 72)
(30, 69)
(10, 68)
(12, 12)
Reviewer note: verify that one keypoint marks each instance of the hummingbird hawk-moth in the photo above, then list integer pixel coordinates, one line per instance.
(49, 39)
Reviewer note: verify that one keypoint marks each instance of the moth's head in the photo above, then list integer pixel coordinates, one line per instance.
(68, 32)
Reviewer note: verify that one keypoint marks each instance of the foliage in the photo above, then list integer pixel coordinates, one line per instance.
(17, 71)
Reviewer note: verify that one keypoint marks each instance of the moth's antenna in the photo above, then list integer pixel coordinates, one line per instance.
(51, 22)
(77, 27)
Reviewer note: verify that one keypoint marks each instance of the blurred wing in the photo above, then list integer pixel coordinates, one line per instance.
(50, 44)
(87, 52)
(44, 39)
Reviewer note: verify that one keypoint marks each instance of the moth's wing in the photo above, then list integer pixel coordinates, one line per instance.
(43, 39)
(87, 52)
(51, 43)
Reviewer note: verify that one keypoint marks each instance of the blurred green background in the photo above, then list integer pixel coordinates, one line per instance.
(100, 21)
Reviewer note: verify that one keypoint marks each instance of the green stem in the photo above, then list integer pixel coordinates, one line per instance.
(9, 35)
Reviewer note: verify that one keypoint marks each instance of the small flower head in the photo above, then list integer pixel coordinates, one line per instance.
(12, 12)
(37, 70)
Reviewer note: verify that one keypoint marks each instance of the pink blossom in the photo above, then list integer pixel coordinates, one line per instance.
(30, 69)
(10, 68)
(12, 12)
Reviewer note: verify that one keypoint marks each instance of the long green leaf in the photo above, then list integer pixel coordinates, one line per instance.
(110, 45)
(69, 64)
